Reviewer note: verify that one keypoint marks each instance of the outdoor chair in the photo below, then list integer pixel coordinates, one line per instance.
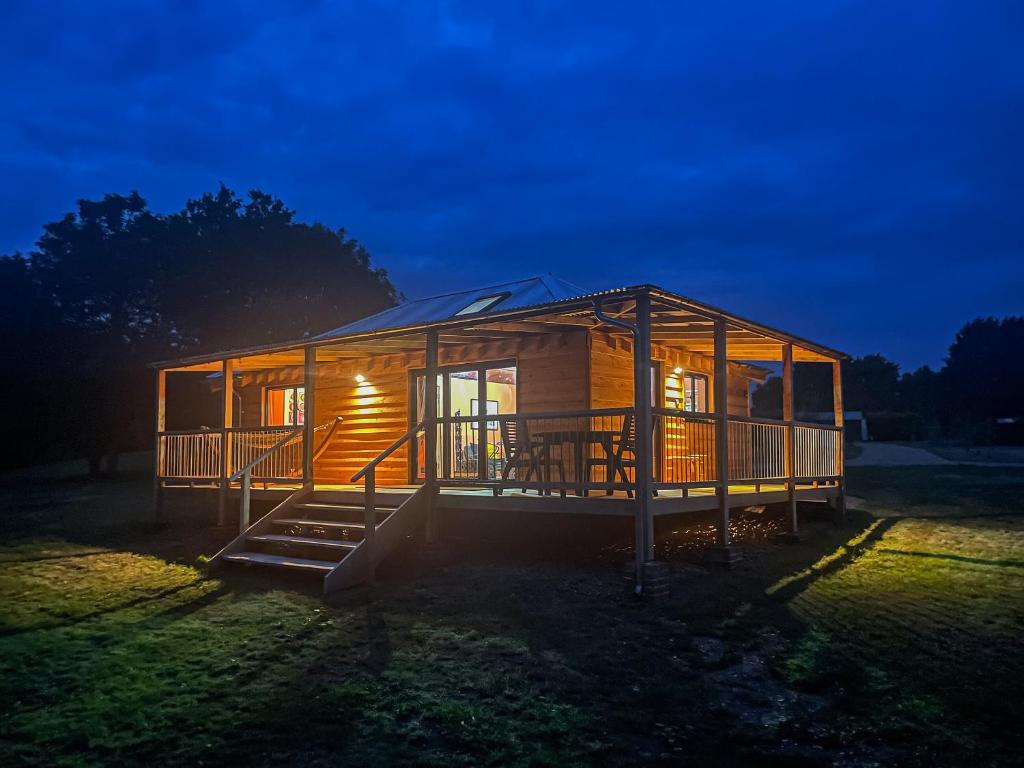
(524, 455)
(623, 456)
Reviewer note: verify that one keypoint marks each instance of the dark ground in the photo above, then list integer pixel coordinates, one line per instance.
(892, 641)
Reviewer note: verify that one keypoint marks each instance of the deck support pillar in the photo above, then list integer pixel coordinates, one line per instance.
(837, 407)
(227, 409)
(430, 435)
(721, 391)
(309, 415)
(788, 417)
(161, 425)
(644, 444)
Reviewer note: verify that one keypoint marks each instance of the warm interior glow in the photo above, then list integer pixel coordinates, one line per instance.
(360, 378)
(677, 370)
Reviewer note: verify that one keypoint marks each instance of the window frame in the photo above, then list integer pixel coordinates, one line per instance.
(264, 414)
(492, 300)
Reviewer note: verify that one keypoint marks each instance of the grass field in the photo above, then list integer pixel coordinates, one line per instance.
(894, 641)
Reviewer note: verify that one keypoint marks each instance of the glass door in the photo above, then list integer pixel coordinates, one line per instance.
(469, 439)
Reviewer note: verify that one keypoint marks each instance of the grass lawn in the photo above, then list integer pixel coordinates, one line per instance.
(892, 641)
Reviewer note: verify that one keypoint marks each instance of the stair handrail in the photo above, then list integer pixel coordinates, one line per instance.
(246, 474)
(388, 451)
(368, 475)
(330, 426)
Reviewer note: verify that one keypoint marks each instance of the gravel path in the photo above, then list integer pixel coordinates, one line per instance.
(894, 455)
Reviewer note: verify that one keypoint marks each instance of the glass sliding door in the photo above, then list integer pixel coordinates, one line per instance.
(418, 411)
(469, 439)
(462, 389)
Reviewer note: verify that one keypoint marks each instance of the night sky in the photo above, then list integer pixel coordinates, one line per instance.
(852, 172)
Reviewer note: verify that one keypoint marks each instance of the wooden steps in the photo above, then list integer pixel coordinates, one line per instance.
(322, 567)
(305, 541)
(329, 524)
(322, 533)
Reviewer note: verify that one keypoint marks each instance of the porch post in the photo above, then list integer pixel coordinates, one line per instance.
(430, 435)
(309, 415)
(161, 425)
(227, 414)
(643, 417)
(722, 434)
(837, 407)
(787, 416)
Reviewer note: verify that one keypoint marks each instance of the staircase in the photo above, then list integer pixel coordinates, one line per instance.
(324, 533)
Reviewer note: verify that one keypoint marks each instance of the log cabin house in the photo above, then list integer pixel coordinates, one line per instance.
(534, 395)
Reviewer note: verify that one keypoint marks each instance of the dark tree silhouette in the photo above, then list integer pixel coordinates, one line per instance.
(983, 377)
(114, 286)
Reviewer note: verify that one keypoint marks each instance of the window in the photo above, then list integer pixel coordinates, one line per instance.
(687, 391)
(695, 387)
(482, 304)
(284, 406)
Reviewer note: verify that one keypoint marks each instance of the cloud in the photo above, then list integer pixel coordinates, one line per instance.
(840, 169)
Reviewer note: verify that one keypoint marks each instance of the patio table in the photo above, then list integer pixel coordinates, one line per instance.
(578, 439)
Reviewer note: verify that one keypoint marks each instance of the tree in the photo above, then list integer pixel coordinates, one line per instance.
(241, 274)
(870, 384)
(113, 286)
(983, 377)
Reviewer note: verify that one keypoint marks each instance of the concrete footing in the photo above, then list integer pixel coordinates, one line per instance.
(726, 556)
(790, 537)
(656, 577)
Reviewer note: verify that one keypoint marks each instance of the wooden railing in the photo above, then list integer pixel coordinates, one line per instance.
(757, 449)
(245, 472)
(368, 475)
(198, 454)
(274, 458)
(684, 445)
(251, 447)
(543, 451)
(818, 451)
(190, 455)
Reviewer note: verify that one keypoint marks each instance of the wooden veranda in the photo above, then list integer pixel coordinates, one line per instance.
(631, 402)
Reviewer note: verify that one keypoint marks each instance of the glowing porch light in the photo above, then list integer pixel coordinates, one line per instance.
(677, 370)
(360, 379)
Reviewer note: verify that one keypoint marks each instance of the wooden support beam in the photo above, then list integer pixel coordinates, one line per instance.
(161, 425)
(430, 434)
(837, 408)
(788, 417)
(721, 406)
(227, 410)
(644, 444)
(309, 411)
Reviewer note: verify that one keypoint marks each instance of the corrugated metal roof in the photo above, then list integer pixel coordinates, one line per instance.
(532, 291)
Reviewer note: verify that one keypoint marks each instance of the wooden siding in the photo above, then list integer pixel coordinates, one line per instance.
(555, 372)
(551, 376)
(611, 374)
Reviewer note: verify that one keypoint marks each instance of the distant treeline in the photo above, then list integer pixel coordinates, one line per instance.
(113, 287)
(975, 398)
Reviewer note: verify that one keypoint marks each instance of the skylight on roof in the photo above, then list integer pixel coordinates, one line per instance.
(482, 304)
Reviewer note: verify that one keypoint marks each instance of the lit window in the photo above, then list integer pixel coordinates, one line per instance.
(284, 407)
(482, 304)
(687, 392)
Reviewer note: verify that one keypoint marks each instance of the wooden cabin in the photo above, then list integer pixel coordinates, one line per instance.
(534, 395)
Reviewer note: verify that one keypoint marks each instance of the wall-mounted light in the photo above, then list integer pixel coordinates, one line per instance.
(677, 370)
(360, 378)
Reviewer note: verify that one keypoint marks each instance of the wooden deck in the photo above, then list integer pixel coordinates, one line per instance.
(668, 502)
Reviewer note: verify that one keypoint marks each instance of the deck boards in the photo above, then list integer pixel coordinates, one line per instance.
(671, 501)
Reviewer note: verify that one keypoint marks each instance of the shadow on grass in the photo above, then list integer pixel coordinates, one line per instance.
(43, 558)
(126, 605)
(790, 586)
(957, 558)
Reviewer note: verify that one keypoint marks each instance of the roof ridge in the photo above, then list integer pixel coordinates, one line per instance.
(473, 290)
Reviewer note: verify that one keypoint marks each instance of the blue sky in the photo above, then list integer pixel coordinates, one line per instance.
(852, 172)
